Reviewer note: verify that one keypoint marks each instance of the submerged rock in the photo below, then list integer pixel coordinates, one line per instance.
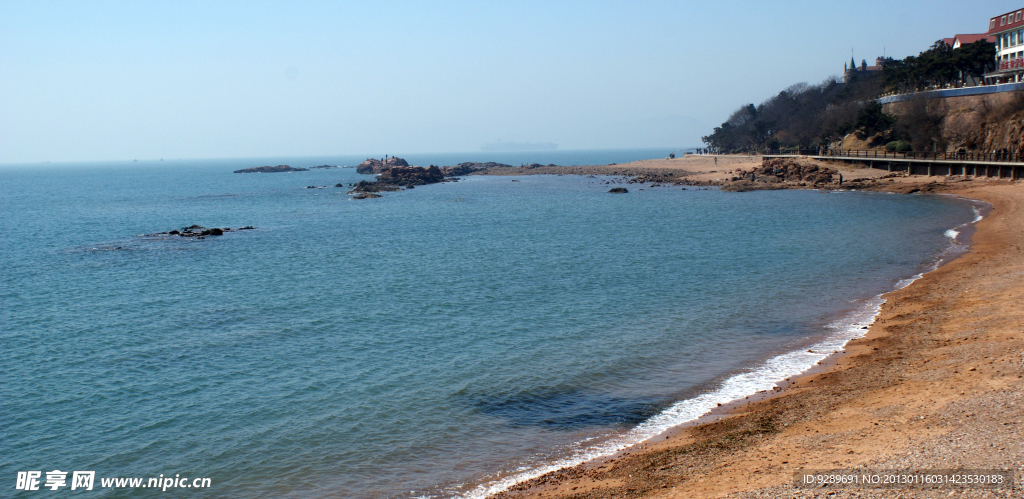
(367, 186)
(366, 195)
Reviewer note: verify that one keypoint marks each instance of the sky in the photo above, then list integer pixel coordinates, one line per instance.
(110, 81)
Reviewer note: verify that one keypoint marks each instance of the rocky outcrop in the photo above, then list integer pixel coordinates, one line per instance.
(366, 195)
(368, 186)
(411, 175)
(618, 190)
(782, 173)
(271, 169)
(468, 168)
(374, 166)
(788, 170)
(198, 231)
(394, 178)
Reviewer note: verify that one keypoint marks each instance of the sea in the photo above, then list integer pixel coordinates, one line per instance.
(445, 341)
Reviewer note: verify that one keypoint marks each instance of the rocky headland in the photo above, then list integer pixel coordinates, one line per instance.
(272, 169)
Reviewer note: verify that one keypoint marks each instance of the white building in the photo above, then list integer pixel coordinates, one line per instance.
(1007, 31)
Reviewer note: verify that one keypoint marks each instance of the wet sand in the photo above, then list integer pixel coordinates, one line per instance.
(935, 383)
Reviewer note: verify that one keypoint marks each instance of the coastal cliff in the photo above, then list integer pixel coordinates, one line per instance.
(975, 123)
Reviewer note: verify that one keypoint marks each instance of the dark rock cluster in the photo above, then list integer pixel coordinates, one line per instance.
(788, 170)
(374, 166)
(468, 168)
(618, 190)
(406, 176)
(394, 178)
(271, 169)
(368, 186)
(782, 173)
(199, 232)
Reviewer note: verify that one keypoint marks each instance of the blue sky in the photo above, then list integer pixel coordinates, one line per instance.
(91, 81)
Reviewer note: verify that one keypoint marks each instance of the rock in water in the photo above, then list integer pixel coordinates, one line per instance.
(271, 169)
(619, 190)
(367, 186)
(467, 168)
(375, 166)
(366, 195)
(394, 178)
(411, 175)
(198, 231)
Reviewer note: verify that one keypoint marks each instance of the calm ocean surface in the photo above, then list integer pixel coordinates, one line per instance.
(431, 343)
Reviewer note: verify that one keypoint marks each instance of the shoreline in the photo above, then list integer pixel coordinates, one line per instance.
(601, 476)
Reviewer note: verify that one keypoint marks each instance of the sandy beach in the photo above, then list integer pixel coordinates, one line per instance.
(692, 167)
(935, 383)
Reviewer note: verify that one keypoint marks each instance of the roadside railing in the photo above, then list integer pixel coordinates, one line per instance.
(995, 156)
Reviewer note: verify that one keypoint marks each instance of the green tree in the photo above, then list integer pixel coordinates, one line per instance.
(871, 120)
(976, 58)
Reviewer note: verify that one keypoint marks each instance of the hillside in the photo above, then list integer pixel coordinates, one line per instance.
(844, 113)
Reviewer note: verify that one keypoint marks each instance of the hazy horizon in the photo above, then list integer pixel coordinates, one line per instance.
(104, 81)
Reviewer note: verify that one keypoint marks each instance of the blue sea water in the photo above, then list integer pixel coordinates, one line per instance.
(440, 341)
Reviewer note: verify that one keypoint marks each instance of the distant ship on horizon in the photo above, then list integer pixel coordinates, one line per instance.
(518, 146)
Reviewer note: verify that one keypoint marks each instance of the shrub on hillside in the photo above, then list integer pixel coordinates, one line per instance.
(898, 146)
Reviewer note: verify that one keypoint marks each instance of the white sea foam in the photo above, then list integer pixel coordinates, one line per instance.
(761, 378)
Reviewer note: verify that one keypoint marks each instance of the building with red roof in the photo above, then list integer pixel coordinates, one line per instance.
(959, 40)
(1007, 32)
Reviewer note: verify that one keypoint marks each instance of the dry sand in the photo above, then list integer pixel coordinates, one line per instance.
(935, 384)
(692, 166)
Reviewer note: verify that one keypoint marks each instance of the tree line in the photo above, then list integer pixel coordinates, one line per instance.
(810, 116)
